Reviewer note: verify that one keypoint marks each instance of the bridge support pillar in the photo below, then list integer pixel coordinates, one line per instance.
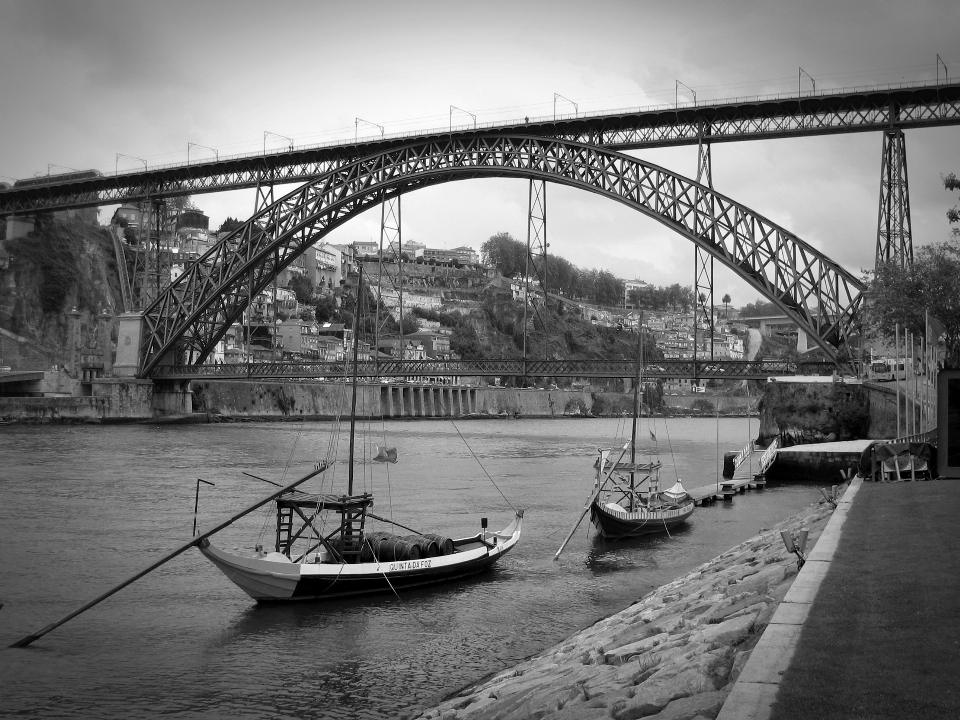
(703, 260)
(172, 397)
(536, 253)
(128, 345)
(894, 230)
(19, 226)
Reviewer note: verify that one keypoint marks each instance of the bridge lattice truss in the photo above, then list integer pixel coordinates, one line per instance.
(724, 121)
(188, 319)
(719, 369)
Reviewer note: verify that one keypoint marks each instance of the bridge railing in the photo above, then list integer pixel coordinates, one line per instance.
(498, 124)
(663, 369)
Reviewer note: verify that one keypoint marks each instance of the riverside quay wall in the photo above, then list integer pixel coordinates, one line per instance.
(312, 400)
(124, 400)
(815, 412)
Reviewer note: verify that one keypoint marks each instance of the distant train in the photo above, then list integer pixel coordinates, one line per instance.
(58, 177)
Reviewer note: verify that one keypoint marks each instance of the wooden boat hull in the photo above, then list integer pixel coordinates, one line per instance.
(623, 524)
(269, 581)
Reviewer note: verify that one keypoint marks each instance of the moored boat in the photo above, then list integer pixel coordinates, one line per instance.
(323, 546)
(627, 501)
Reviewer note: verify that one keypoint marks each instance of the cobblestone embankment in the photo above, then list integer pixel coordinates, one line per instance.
(673, 655)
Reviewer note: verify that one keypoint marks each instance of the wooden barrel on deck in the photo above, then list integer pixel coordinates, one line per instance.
(386, 547)
(444, 544)
(428, 546)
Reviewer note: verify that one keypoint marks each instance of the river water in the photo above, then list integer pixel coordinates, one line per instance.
(83, 507)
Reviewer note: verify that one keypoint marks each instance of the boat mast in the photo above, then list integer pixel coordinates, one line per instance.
(353, 402)
(636, 410)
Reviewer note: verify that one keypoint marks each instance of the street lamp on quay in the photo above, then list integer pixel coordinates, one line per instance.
(205, 147)
(116, 165)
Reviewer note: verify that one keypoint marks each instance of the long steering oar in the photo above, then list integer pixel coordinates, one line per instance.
(169, 556)
(613, 466)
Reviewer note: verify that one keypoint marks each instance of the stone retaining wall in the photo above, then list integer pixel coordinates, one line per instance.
(673, 655)
(286, 399)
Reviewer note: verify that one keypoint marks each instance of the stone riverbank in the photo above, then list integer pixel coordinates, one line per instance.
(675, 654)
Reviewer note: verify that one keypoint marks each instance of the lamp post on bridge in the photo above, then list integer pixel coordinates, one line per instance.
(454, 107)
(576, 108)
(116, 164)
(676, 94)
(267, 132)
(356, 125)
(800, 82)
(205, 147)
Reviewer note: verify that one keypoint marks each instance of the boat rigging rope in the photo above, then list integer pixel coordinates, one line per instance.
(399, 599)
(670, 445)
(290, 456)
(481, 465)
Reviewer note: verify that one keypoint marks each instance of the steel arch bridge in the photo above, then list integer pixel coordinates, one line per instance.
(187, 320)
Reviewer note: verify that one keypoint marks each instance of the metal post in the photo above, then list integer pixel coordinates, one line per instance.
(576, 108)
(536, 251)
(391, 236)
(896, 371)
(454, 107)
(704, 228)
(894, 232)
(196, 503)
(676, 94)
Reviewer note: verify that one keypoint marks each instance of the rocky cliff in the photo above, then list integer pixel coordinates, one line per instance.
(65, 264)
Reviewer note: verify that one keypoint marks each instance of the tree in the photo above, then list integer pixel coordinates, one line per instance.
(950, 182)
(903, 295)
(466, 343)
(326, 309)
(229, 225)
(759, 309)
(726, 302)
(409, 325)
(302, 288)
(505, 254)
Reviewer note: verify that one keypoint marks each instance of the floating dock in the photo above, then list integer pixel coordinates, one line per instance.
(817, 461)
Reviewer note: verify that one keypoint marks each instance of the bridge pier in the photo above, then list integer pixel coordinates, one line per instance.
(894, 230)
(172, 397)
(127, 363)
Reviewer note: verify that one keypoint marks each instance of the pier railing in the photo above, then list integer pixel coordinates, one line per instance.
(745, 452)
(769, 455)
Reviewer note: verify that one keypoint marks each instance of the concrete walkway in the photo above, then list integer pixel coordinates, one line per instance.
(870, 626)
(755, 691)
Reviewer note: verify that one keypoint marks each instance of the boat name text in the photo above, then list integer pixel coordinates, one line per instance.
(409, 565)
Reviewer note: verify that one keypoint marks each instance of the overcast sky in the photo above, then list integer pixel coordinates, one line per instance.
(84, 80)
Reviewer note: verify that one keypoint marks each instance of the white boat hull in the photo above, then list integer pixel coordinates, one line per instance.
(267, 580)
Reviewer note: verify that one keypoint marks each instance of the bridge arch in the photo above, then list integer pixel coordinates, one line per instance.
(195, 311)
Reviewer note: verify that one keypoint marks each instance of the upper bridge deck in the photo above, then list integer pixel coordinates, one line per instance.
(858, 109)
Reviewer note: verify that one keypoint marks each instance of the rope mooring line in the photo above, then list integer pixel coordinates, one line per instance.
(481, 466)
